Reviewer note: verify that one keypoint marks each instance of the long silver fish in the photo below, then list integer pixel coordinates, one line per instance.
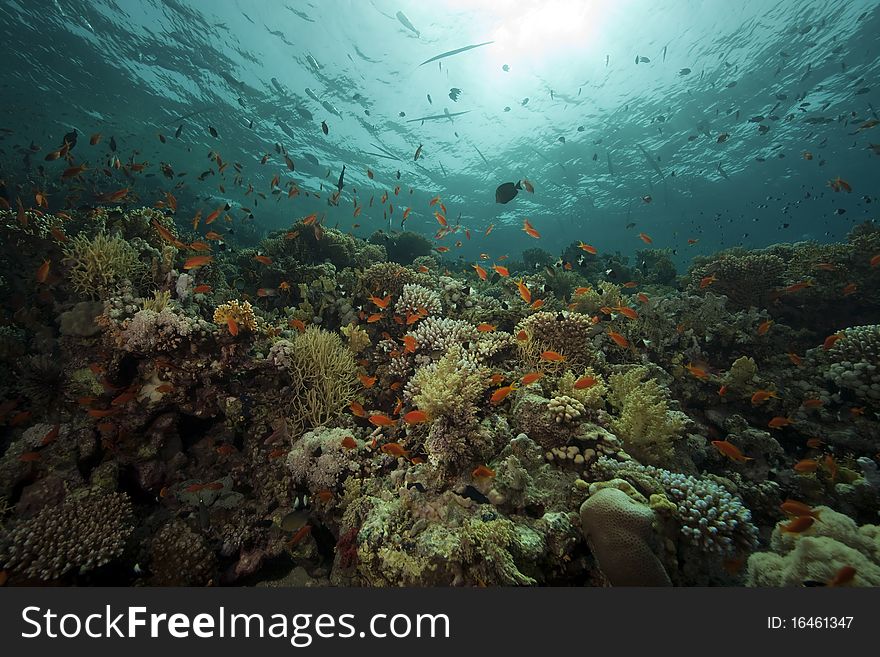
(405, 22)
(450, 53)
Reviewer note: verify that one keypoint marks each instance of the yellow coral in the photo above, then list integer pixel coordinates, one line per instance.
(590, 301)
(241, 313)
(645, 423)
(451, 386)
(97, 265)
(358, 338)
(159, 301)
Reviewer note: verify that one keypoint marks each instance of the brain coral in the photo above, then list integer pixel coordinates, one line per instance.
(620, 532)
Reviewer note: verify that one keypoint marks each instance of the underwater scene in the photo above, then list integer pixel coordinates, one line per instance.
(460, 293)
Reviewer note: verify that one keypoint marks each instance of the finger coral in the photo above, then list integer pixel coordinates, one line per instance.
(242, 313)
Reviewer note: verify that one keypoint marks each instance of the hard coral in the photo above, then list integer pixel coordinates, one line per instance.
(81, 533)
(242, 313)
(99, 264)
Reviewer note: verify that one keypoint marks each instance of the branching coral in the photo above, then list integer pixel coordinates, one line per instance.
(855, 363)
(322, 373)
(358, 338)
(416, 298)
(564, 332)
(450, 387)
(644, 420)
(241, 313)
(81, 533)
(99, 264)
(592, 396)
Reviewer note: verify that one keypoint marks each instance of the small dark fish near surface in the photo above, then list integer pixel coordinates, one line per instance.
(325, 128)
(418, 152)
(454, 93)
(506, 192)
(643, 60)
(341, 183)
(212, 131)
(684, 71)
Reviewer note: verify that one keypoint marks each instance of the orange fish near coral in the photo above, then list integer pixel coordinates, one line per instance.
(552, 356)
(357, 409)
(43, 271)
(532, 377)
(524, 292)
(806, 465)
(482, 472)
(778, 422)
(731, 451)
(266, 260)
(798, 525)
(696, 371)
(706, 281)
(796, 360)
(394, 449)
(197, 261)
(843, 576)
(830, 340)
(485, 328)
(382, 303)
(619, 340)
(529, 230)
(627, 312)
(367, 381)
(501, 271)
(501, 394)
(645, 238)
(588, 248)
(763, 395)
(381, 420)
(480, 272)
(585, 382)
(764, 326)
(798, 509)
(415, 417)
(349, 442)
(232, 325)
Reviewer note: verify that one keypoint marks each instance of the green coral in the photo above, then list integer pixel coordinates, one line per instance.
(644, 422)
(99, 264)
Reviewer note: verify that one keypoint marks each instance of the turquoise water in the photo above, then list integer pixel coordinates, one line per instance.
(131, 69)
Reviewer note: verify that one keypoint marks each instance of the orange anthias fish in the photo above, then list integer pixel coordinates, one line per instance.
(627, 312)
(843, 576)
(619, 340)
(763, 395)
(381, 420)
(367, 381)
(532, 377)
(798, 525)
(645, 238)
(480, 272)
(696, 371)
(197, 261)
(875, 260)
(501, 394)
(642, 297)
(588, 248)
(482, 472)
(502, 271)
(266, 260)
(394, 449)
(43, 271)
(382, 303)
(486, 328)
(529, 230)
(764, 326)
(349, 442)
(798, 509)
(552, 356)
(357, 409)
(778, 422)
(415, 417)
(409, 344)
(830, 340)
(524, 291)
(806, 465)
(232, 325)
(731, 451)
(706, 281)
(849, 289)
(538, 303)
(795, 359)
(585, 382)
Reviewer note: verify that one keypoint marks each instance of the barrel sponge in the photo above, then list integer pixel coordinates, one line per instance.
(620, 532)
